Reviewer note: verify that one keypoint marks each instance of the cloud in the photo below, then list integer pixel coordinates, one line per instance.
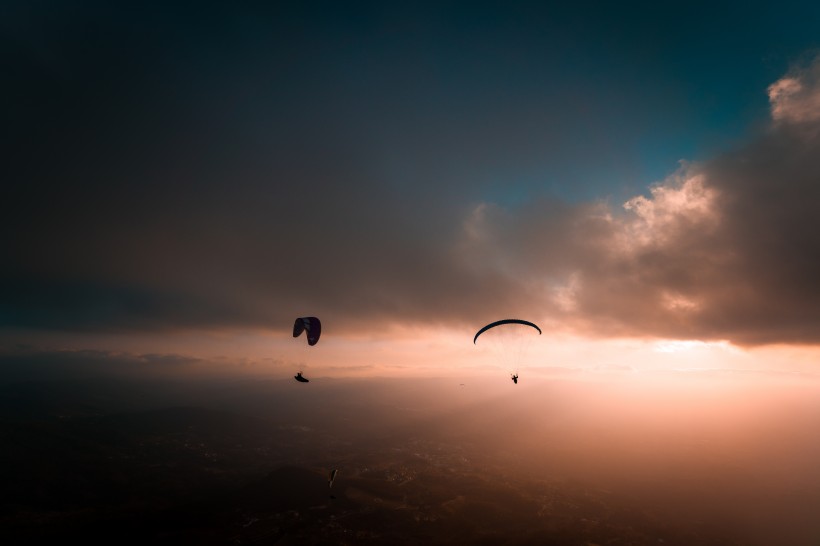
(606, 272)
(725, 249)
(795, 98)
(153, 196)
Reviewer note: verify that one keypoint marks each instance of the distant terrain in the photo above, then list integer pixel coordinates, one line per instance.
(419, 462)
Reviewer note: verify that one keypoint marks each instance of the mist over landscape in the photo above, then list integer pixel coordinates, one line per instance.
(607, 459)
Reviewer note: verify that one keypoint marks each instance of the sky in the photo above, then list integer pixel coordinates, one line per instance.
(181, 181)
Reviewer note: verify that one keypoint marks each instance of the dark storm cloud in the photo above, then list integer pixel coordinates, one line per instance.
(147, 191)
(218, 168)
(215, 169)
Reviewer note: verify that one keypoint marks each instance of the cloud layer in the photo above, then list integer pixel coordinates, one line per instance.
(725, 249)
(170, 201)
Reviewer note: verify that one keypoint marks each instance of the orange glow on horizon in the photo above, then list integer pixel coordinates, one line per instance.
(445, 353)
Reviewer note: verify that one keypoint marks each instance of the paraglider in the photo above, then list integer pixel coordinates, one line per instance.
(312, 327)
(509, 343)
(332, 477)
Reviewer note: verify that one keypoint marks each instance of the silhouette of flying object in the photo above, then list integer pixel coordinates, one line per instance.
(505, 321)
(298, 377)
(508, 348)
(312, 327)
(332, 477)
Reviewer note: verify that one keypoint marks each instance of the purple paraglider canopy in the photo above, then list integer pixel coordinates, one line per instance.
(311, 325)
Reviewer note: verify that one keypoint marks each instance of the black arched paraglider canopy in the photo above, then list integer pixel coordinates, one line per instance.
(505, 321)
